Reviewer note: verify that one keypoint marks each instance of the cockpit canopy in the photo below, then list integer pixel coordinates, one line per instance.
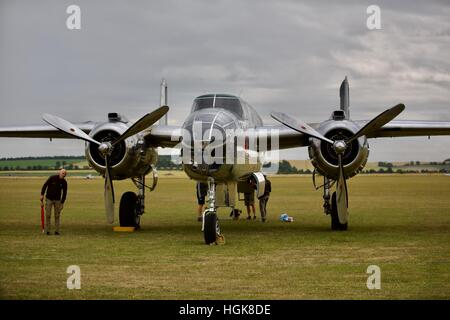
(224, 101)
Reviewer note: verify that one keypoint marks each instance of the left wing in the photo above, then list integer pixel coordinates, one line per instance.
(409, 128)
(287, 138)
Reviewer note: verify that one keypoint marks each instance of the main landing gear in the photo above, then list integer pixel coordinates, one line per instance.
(132, 205)
(330, 207)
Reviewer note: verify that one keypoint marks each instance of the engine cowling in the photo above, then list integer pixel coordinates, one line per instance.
(325, 159)
(130, 158)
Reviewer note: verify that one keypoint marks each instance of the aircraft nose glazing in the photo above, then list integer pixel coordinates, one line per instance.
(207, 131)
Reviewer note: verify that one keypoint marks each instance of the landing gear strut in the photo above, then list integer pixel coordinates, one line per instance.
(330, 206)
(326, 196)
(132, 205)
(211, 227)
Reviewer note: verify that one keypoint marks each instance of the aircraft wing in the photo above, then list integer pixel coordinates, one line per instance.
(42, 131)
(163, 136)
(169, 136)
(287, 138)
(409, 128)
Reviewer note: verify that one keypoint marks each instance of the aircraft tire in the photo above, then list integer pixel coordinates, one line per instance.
(211, 228)
(127, 210)
(335, 224)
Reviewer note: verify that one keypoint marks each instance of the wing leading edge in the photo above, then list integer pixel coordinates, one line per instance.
(42, 131)
(410, 128)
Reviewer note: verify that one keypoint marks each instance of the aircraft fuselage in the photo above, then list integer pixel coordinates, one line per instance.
(210, 141)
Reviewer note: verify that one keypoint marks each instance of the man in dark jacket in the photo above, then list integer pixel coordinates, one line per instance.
(55, 185)
(264, 198)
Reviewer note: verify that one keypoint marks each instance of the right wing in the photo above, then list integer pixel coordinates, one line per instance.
(163, 136)
(42, 131)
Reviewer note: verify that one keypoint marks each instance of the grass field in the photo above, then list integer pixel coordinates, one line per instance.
(399, 222)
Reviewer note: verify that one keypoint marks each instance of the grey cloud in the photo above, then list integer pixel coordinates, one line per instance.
(284, 55)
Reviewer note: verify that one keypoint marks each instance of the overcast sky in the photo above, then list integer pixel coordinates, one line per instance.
(278, 55)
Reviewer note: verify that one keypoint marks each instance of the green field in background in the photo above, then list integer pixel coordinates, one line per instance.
(24, 163)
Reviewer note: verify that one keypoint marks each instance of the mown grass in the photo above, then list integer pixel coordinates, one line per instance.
(399, 222)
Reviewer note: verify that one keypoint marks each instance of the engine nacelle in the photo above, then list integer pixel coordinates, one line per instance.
(130, 158)
(325, 159)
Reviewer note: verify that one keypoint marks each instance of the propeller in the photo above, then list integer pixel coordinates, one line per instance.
(108, 194)
(298, 126)
(342, 194)
(107, 147)
(340, 146)
(379, 121)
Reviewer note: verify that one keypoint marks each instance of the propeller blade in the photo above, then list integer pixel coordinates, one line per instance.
(342, 194)
(379, 121)
(298, 126)
(143, 123)
(109, 193)
(67, 127)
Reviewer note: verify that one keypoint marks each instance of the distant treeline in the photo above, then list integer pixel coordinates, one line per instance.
(44, 158)
(165, 163)
(43, 163)
(384, 167)
(67, 162)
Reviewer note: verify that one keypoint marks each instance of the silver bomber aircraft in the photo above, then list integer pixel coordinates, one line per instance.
(118, 149)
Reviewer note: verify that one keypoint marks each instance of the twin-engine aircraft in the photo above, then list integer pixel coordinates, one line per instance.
(221, 142)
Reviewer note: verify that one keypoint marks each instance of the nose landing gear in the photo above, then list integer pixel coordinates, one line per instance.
(211, 226)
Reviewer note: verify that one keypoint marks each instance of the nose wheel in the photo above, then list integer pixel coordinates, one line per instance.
(211, 226)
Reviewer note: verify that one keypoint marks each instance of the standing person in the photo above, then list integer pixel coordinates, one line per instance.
(264, 199)
(249, 201)
(202, 190)
(54, 186)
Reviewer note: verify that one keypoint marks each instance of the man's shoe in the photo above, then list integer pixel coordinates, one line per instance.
(249, 218)
(254, 217)
(56, 233)
(48, 233)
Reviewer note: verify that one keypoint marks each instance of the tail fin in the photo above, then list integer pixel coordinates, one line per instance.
(345, 97)
(163, 100)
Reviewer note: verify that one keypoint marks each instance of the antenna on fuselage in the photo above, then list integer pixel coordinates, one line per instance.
(163, 100)
(344, 93)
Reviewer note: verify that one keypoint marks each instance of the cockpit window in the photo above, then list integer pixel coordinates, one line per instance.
(203, 103)
(230, 103)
